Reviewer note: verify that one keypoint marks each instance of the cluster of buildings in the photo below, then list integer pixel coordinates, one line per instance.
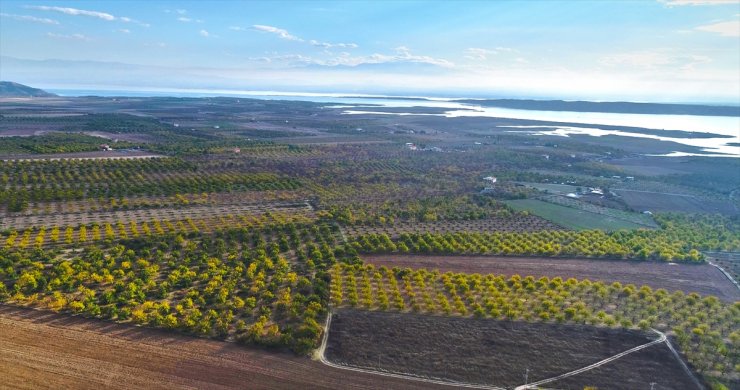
(413, 146)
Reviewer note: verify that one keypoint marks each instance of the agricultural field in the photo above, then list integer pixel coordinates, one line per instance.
(44, 350)
(494, 297)
(552, 188)
(126, 216)
(645, 220)
(729, 261)
(518, 223)
(498, 353)
(257, 220)
(570, 217)
(663, 202)
(700, 278)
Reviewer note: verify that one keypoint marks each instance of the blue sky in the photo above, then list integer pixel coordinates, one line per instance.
(670, 50)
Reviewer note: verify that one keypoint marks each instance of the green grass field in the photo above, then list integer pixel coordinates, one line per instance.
(569, 217)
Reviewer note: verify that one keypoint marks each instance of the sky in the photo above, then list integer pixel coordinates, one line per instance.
(647, 50)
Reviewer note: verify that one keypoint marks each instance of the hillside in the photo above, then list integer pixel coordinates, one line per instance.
(11, 89)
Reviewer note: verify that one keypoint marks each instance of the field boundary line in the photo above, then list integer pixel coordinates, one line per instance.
(727, 274)
(686, 368)
(659, 340)
(320, 354)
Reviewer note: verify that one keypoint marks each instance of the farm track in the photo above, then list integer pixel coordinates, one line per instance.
(727, 274)
(728, 263)
(41, 349)
(608, 360)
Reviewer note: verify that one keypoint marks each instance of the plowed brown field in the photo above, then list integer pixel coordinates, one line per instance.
(44, 350)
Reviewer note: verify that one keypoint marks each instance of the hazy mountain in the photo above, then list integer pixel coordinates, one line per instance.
(11, 89)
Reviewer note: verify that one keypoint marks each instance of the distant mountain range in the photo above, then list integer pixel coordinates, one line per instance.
(11, 89)
(610, 107)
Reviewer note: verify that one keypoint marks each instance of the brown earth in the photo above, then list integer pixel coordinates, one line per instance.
(701, 278)
(729, 261)
(45, 350)
(640, 365)
(490, 352)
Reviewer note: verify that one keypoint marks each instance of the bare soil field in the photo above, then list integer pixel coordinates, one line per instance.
(45, 350)
(729, 261)
(701, 278)
(632, 372)
(658, 201)
(489, 352)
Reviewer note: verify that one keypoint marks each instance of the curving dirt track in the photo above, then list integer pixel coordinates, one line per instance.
(701, 278)
(40, 349)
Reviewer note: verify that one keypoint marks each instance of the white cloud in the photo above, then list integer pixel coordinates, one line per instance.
(129, 20)
(327, 45)
(74, 11)
(698, 2)
(124, 31)
(725, 29)
(81, 12)
(76, 37)
(402, 55)
(28, 18)
(188, 20)
(205, 33)
(284, 34)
